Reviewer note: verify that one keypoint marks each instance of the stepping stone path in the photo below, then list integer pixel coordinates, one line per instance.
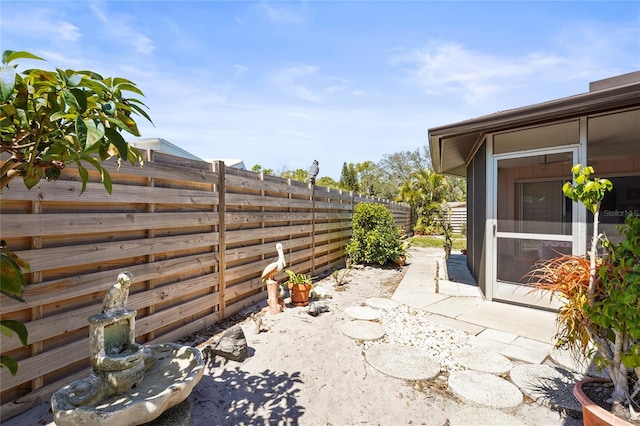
(402, 362)
(547, 385)
(485, 389)
(362, 313)
(480, 384)
(363, 330)
(381, 303)
(483, 360)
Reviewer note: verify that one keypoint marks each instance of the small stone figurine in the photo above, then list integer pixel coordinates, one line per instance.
(116, 298)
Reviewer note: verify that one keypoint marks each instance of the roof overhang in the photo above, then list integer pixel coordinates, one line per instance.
(452, 146)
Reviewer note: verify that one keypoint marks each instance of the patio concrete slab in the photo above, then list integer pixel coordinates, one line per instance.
(402, 362)
(454, 306)
(485, 389)
(547, 385)
(470, 328)
(498, 336)
(532, 323)
(416, 298)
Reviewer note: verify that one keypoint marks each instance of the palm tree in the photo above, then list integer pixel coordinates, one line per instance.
(425, 192)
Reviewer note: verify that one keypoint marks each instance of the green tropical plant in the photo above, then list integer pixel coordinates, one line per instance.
(298, 279)
(600, 295)
(426, 192)
(49, 119)
(12, 281)
(375, 237)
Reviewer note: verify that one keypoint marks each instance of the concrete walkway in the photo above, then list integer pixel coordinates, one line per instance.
(454, 300)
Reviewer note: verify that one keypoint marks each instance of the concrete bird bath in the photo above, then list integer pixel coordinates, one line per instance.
(129, 384)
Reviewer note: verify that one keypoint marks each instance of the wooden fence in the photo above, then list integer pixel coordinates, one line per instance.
(195, 235)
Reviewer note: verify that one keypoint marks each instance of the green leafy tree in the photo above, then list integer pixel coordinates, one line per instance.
(49, 119)
(349, 177)
(259, 169)
(297, 174)
(328, 182)
(400, 166)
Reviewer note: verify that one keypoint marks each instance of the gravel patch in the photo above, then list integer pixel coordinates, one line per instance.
(411, 327)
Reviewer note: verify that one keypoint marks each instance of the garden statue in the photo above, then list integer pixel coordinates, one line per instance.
(276, 304)
(116, 299)
(129, 384)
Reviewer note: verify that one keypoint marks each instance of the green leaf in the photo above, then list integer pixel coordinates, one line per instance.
(74, 80)
(10, 364)
(81, 99)
(84, 175)
(81, 132)
(11, 275)
(9, 326)
(7, 82)
(69, 99)
(125, 123)
(60, 115)
(129, 87)
(95, 133)
(118, 141)
(32, 176)
(10, 56)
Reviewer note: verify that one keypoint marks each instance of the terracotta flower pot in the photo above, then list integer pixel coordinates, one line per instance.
(400, 260)
(300, 294)
(592, 413)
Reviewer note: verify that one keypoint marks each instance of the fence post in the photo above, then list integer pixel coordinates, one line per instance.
(313, 227)
(222, 244)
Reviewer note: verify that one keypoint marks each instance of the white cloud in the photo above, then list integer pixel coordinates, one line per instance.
(449, 68)
(305, 82)
(41, 22)
(121, 28)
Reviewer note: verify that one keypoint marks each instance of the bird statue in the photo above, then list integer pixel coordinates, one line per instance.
(273, 268)
(313, 171)
(275, 304)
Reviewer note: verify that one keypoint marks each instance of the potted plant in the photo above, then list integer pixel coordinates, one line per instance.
(300, 285)
(600, 295)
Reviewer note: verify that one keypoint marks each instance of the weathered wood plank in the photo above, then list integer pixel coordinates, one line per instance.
(76, 286)
(66, 257)
(20, 225)
(69, 191)
(66, 322)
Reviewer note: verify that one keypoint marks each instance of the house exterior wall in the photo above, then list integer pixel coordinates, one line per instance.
(476, 215)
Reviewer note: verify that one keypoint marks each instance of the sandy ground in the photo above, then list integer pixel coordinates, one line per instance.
(302, 370)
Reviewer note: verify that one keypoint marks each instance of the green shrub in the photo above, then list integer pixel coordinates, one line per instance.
(375, 237)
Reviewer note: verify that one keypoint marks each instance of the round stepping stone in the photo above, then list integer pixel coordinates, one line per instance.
(483, 360)
(548, 385)
(381, 303)
(402, 362)
(363, 330)
(484, 389)
(472, 415)
(362, 313)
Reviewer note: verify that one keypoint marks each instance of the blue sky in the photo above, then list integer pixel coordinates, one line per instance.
(283, 83)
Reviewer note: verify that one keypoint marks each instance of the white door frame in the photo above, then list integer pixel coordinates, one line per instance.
(519, 293)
